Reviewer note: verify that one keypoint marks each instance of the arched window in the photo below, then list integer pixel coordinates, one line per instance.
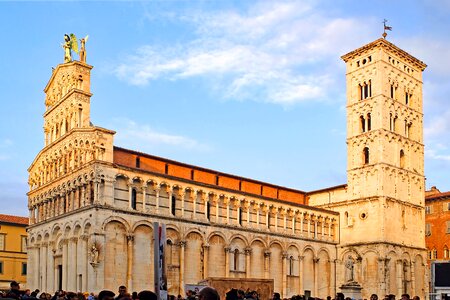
(402, 159)
(446, 252)
(346, 218)
(434, 254)
(429, 254)
(360, 91)
(394, 125)
(408, 129)
(363, 123)
(174, 203)
(366, 90)
(133, 198)
(236, 260)
(366, 155)
(291, 265)
(369, 122)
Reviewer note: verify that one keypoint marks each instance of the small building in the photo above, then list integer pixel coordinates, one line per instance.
(13, 250)
(437, 224)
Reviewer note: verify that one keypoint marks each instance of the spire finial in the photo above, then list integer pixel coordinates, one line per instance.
(386, 28)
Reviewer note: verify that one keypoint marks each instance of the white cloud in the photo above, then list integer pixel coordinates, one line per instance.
(144, 137)
(273, 52)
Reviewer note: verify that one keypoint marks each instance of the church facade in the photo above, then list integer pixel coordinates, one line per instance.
(92, 205)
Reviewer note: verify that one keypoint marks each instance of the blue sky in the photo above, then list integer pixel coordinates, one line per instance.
(252, 88)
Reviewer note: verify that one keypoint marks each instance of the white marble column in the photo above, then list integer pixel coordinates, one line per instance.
(227, 261)
(130, 242)
(182, 262)
(157, 199)
(205, 261)
(316, 276)
(300, 274)
(144, 195)
(65, 262)
(44, 255)
(284, 256)
(72, 264)
(248, 256)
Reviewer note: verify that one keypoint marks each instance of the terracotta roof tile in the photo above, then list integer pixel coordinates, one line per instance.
(13, 219)
(437, 196)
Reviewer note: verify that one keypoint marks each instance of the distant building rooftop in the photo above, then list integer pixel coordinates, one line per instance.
(13, 219)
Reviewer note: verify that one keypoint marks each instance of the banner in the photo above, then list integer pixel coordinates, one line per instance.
(160, 278)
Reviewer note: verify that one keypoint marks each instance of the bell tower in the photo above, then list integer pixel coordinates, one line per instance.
(383, 217)
(385, 139)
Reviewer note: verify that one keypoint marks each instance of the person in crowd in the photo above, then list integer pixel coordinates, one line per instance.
(276, 296)
(405, 297)
(208, 293)
(373, 297)
(416, 298)
(147, 295)
(106, 295)
(26, 294)
(14, 292)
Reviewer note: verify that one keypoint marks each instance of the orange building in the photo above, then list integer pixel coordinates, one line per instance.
(437, 224)
(13, 250)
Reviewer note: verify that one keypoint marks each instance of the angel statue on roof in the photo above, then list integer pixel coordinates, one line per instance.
(70, 44)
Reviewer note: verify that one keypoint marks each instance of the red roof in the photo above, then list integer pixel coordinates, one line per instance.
(13, 219)
(437, 196)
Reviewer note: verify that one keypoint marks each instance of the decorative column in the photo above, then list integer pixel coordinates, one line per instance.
(382, 276)
(130, 194)
(316, 275)
(43, 270)
(399, 269)
(194, 203)
(226, 200)
(97, 190)
(182, 196)
(205, 260)
(50, 268)
(65, 262)
(205, 198)
(316, 219)
(130, 239)
(83, 255)
(182, 248)
(284, 220)
(248, 254)
(227, 261)
(323, 227)
(300, 274)
(284, 256)
(144, 195)
(217, 208)
(276, 219)
(72, 264)
(266, 264)
(302, 217)
(169, 195)
(258, 208)
(293, 221)
(249, 223)
(157, 189)
(413, 277)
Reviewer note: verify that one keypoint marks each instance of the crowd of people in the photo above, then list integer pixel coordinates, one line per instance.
(206, 293)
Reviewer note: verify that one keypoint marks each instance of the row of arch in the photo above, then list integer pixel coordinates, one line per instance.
(71, 155)
(192, 255)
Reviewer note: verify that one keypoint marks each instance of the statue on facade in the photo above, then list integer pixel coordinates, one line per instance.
(349, 269)
(83, 49)
(70, 44)
(94, 254)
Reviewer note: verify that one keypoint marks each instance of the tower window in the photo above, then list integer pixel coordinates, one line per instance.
(192, 174)
(133, 198)
(402, 159)
(208, 210)
(394, 125)
(166, 169)
(138, 162)
(369, 122)
(366, 155)
(363, 123)
(393, 91)
(434, 254)
(217, 179)
(406, 98)
(408, 129)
